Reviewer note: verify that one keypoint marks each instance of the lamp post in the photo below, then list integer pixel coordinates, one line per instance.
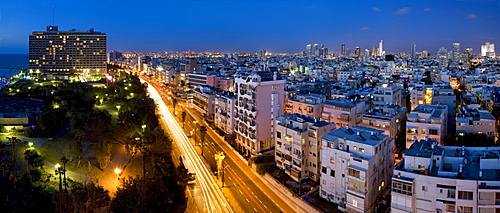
(118, 107)
(143, 127)
(64, 161)
(58, 171)
(195, 123)
(30, 144)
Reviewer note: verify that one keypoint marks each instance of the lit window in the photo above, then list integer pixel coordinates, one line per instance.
(355, 203)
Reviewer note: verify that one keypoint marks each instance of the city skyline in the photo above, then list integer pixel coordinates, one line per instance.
(248, 26)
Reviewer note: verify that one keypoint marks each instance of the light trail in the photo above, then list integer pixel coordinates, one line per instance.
(212, 194)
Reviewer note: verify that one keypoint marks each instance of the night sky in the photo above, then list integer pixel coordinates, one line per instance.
(251, 25)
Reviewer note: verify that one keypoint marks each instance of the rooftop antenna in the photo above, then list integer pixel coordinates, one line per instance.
(53, 16)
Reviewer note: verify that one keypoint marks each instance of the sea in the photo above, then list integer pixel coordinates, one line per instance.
(12, 64)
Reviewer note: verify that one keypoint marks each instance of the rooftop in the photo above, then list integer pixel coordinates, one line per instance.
(357, 134)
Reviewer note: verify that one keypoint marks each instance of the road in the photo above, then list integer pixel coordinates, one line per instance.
(244, 189)
(212, 194)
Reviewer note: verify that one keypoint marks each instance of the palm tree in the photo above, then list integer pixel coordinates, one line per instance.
(13, 141)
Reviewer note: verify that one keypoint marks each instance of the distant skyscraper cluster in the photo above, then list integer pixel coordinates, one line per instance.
(316, 50)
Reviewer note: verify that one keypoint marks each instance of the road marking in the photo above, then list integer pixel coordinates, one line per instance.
(248, 200)
(240, 192)
(255, 209)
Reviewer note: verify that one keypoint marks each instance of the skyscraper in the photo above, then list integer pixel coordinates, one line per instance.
(488, 50)
(380, 50)
(315, 50)
(442, 57)
(413, 51)
(342, 49)
(357, 52)
(63, 54)
(308, 49)
(455, 52)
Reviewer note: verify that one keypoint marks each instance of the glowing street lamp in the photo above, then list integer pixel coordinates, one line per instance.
(143, 127)
(118, 107)
(30, 144)
(117, 172)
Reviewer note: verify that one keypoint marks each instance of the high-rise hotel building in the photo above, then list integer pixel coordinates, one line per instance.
(55, 53)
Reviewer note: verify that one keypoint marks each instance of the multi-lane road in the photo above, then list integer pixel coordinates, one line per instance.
(243, 190)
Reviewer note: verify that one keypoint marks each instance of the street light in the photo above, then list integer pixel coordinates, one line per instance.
(59, 172)
(117, 172)
(143, 127)
(30, 144)
(118, 107)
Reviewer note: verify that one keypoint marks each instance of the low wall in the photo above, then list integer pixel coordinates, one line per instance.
(298, 203)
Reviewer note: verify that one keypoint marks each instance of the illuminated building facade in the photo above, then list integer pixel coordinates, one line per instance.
(66, 53)
(260, 99)
(432, 178)
(356, 168)
(427, 121)
(488, 50)
(297, 145)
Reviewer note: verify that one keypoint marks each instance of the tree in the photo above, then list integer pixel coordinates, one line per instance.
(102, 152)
(203, 131)
(231, 139)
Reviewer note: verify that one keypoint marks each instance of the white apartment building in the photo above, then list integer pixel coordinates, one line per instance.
(356, 168)
(260, 99)
(225, 107)
(297, 144)
(343, 112)
(433, 178)
(427, 121)
(386, 94)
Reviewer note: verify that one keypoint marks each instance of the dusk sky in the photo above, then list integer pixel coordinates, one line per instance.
(251, 25)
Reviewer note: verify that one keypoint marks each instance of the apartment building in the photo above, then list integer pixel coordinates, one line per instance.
(343, 112)
(470, 120)
(386, 94)
(311, 105)
(432, 178)
(225, 106)
(198, 79)
(421, 94)
(203, 100)
(225, 83)
(388, 118)
(427, 121)
(259, 100)
(297, 144)
(356, 168)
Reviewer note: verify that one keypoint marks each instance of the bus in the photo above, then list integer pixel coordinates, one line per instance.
(191, 175)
